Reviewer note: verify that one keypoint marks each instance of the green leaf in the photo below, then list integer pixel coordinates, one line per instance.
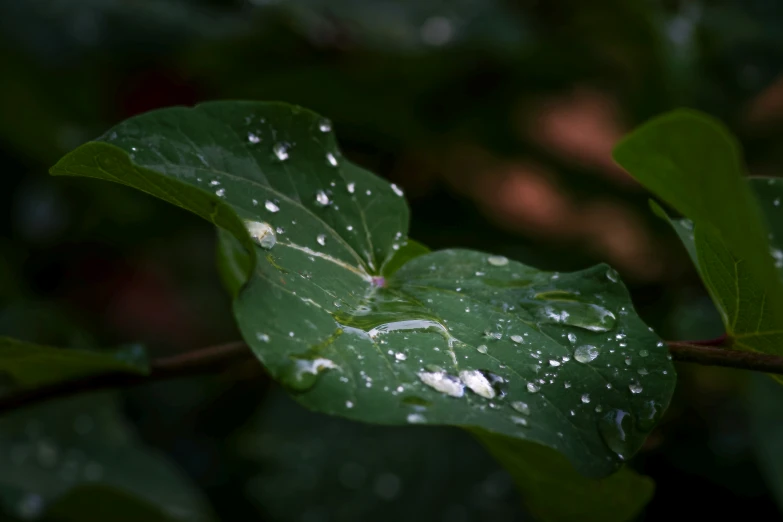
(693, 163)
(553, 491)
(454, 337)
(31, 365)
(83, 446)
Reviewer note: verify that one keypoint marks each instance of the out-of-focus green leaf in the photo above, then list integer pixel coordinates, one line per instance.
(30, 365)
(83, 445)
(453, 337)
(694, 164)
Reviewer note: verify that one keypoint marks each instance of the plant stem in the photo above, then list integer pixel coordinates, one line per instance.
(208, 360)
(212, 359)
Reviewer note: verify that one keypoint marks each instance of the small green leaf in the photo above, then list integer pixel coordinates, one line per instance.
(454, 337)
(553, 491)
(71, 445)
(30, 365)
(693, 163)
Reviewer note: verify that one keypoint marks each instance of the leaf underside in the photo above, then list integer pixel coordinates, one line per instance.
(354, 327)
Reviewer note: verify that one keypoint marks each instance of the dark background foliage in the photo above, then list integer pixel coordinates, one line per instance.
(497, 117)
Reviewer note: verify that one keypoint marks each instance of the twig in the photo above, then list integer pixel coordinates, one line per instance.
(208, 360)
(216, 358)
(717, 356)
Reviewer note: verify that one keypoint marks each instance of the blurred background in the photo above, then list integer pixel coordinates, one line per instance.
(497, 117)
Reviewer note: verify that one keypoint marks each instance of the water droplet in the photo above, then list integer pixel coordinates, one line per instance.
(586, 398)
(443, 382)
(572, 338)
(650, 412)
(482, 348)
(628, 360)
(517, 339)
(635, 387)
(271, 207)
(351, 187)
(586, 353)
(477, 383)
(643, 353)
(214, 183)
(397, 190)
(582, 315)
(264, 338)
(303, 373)
(566, 385)
(614, 427)
(612, 275)
(321, 239)
(416, 418)
(280, 150)
(400, 356)
(325, 125)
(553, 362)
(221, 192)
(776, 202)
(642, 371)
(331, 159)
(348, 404)
(262, 234)
(252, 138)
(519, 421)
(521, 407)
(322, 198)
(532, 387)
(497, 260)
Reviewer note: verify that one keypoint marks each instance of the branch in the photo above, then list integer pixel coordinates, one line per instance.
(712, 355)
(213, 359)
(208, 360)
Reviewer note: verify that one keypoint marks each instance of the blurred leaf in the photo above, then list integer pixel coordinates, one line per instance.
(31, 365)
(83, 446)
(693, 163)
(553, 491)
(766, 417)
(400, 349)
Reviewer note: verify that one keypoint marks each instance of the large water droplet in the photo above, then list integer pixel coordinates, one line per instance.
(614, 427)
(497, 260)
(586, 398)
(271, 206)
(612, 275)
(322, 198)
(485, 383)
(582, 315)
(262, 233)
(321, 239)
(303, 373)
(443, 382)
(517, 339)
(586, 353)
(280, 150)
(649, 414)
(521, 407)
(482, 348)
(532, 387)
(351, 187)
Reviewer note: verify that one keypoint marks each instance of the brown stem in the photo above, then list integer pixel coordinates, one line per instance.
(216, 358)
(717, 356)
(198, 362)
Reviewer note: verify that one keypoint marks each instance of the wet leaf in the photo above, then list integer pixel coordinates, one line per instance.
(693, 163)
(454, 337)
(29, 365)
(83, 447)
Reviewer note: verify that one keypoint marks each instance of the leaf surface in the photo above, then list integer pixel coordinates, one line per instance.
(454, 337)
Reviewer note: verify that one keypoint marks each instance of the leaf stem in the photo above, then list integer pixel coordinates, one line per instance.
(715, 355)
(212, 359)
(209, 360)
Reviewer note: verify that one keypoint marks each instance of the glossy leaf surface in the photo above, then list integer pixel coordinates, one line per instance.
(454, 337)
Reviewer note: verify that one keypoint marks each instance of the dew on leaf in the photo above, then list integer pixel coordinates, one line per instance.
(517, 339)
(482, 348)
(572, 338)
(519, 421)
(443, 382)
(351, 187)
(532, 387)
(586, 353)
(322, 198)
(635, 388)
(280, 150)
(262, 233)
(612, 275)
(321, 238)
(497, 260)
(553, 362)
(325, 125)
(582, 315)
(331, 159)
(271, 206)
(643, 353)
(521, 407)
(221, 192)
(397, 190)
(614, 427)
(302, 374)
(478, 383)
(252, 138)
(416, 418)
(586, 398)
